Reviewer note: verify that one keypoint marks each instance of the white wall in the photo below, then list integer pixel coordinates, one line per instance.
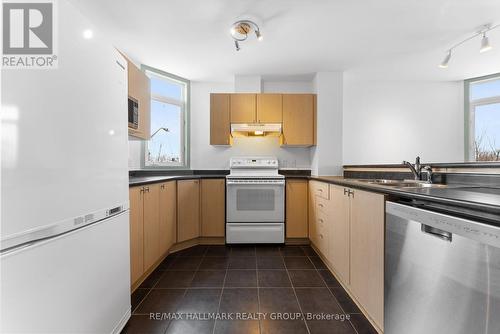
(391, 121)
(205, 156)
(326, 156)
(288, 87)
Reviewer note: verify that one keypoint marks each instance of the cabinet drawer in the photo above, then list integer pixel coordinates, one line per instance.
(321, 190)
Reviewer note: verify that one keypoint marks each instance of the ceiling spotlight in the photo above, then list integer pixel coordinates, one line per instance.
(88, 34)
(259, 35)
(446, 60)
(240, 30)
(485, 44)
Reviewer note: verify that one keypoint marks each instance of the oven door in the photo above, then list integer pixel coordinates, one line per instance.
(255, 201)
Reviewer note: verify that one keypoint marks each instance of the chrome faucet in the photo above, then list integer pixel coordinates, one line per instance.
(415, 169)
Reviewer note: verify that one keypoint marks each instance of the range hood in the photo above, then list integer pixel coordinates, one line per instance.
(255, 129)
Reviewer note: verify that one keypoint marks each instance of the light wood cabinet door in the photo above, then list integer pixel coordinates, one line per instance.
(312, 211)
(151, 224)
(243, 108)
(213, 201)
(296, 209)
(269, 108)
(339, 226)
(220, 119)
(299, 112)
(136, 234)
(367, 252)
(139, 88)
(188, 210)
(168, 216)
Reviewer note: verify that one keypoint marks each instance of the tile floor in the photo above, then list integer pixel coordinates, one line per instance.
(243, 281)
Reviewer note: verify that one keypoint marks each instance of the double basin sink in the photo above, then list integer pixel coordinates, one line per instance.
(402, 183)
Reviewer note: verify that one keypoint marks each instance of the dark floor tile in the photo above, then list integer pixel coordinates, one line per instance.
(239, 300)
(280, 300)
(151, 280)
(306, 278)
(273, 278)
(362, 325)
(161, 300)
(329, 279)
(176, 279)
(137, 297)
(242, 262)
(330, 326)
(209, 278)
(218, 250)
(309, 251)
(298, 262)
(236, 327)
(200, 301)
(317, 300)
(268, 250)
(318, 263)
(191, 327)
(167, 262)
(283, 327)
(292, 251)
(214, 263)
(241, 278)
(271, 262)
(185, 263)
(242, 251)
(142, 324)
(344, 300)
(198, 250)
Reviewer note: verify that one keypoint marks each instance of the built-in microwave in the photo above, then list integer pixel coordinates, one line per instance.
(133, 113)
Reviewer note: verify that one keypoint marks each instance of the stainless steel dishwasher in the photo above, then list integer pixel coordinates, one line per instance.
(442, 273)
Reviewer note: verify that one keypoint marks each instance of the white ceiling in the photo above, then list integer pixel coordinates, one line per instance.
(402, 39)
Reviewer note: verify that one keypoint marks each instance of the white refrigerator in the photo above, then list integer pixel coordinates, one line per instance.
(64, 188)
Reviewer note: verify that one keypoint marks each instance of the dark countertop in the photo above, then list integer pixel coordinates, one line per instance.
(142, 180)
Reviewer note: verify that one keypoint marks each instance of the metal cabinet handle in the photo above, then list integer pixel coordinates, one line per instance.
(162, 186)
(146, 189)
(436, 232)
(321, 220)
(320, 190)
(351, 192)
(346, 191)
(319, 204)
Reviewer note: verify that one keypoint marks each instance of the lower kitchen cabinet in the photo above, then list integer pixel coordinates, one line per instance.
(151, 195)
(296, 209)
(367, 252)
(338, 252)
(188, 210)
(168, 216)
(213, 205)
(136, 233)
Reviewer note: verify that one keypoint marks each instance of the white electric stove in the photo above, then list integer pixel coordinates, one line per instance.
(255, 208)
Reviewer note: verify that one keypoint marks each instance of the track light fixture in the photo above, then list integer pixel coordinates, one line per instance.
(241, 29)
(485, 44)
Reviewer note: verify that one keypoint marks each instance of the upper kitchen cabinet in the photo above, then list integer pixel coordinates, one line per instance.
(220, 119)
(243, 108)
(139, 103)
(299, 120)
(269, 108)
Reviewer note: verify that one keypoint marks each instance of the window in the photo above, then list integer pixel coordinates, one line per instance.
(168, 145)
(483, 118)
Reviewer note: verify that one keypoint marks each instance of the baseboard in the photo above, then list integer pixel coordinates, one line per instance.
(346, 288)
(123, 321)
(297, 241)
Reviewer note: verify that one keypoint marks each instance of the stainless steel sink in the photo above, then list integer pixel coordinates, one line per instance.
(402, 183)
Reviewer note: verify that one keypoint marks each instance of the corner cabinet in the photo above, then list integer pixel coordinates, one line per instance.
(139, 90)
(188, 210)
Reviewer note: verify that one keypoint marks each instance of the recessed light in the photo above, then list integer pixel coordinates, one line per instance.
(88, 34)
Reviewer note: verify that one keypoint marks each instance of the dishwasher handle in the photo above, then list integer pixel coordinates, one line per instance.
(436, 232)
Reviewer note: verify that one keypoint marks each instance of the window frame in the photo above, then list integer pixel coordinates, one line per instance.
(469, 113)
(185, 118)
